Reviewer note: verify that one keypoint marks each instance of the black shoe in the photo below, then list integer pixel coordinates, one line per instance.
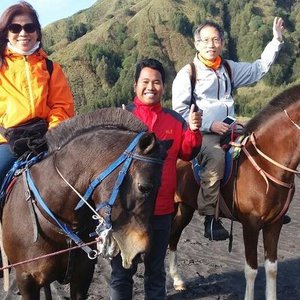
(286, 219)
(214, 229)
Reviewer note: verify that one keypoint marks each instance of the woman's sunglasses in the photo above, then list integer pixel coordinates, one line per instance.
(17, 28)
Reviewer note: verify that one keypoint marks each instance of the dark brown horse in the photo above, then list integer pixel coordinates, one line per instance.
(259, 193)
(79, 150)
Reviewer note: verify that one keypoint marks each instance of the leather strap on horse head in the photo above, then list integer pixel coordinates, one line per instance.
(124, 157)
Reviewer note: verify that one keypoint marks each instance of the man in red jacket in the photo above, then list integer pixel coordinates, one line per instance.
(186, 140)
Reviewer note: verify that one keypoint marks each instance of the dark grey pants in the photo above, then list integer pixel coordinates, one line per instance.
(155, 275)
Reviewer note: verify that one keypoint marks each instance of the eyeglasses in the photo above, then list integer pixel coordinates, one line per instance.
(17, 28)
(215, 41)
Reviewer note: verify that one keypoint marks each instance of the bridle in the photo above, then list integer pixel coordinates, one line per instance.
(104, 221)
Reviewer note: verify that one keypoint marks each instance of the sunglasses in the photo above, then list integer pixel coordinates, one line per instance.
(17, 28)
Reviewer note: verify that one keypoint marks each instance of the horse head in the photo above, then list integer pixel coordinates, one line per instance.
(131, 213)
(124, 198)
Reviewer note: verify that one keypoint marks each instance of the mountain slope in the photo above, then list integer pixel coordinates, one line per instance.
(99, 47)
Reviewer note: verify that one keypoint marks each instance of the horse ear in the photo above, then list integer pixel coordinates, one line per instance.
(148, 143)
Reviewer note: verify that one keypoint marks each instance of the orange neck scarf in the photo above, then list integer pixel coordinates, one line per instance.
(211, 64)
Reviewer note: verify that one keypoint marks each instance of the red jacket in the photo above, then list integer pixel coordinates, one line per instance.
(168, 125)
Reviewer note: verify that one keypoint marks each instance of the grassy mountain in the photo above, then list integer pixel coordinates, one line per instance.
(99, 47)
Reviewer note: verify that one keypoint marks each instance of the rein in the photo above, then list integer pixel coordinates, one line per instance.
(266, 175)
(286, 113)
(262, 172)
(45, 256)
(92, 254)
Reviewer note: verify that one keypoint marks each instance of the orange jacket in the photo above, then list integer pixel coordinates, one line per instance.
(27, 91)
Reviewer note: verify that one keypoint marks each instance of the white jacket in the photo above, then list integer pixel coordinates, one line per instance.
(213, 88)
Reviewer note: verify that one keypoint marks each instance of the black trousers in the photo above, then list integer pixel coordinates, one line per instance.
(155, 275)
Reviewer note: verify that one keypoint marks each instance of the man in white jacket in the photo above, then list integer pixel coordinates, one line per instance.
(212, 93)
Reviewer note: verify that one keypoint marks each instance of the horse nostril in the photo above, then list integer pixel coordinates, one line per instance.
(145, 188)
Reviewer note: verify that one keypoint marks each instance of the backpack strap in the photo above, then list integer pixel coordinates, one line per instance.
(49, 64)
(193, 83)
(228, 70)
(193, 76)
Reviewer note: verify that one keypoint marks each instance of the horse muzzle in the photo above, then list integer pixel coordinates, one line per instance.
(133, 246)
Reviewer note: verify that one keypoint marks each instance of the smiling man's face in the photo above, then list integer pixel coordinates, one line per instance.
(210, 44)
(149, 88)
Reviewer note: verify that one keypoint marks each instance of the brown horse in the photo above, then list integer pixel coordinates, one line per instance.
(79, 150)
(259, 193)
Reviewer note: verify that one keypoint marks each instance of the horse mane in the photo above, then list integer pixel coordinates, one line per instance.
(106, 118)
(276, 105)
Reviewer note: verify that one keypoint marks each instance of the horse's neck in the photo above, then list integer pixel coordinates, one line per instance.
(279, 139)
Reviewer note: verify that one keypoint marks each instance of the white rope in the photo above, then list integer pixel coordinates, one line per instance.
(77, 193)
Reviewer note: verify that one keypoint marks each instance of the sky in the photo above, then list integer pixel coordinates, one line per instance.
(51, 10)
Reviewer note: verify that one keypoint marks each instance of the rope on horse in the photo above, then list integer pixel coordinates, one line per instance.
(46, 255)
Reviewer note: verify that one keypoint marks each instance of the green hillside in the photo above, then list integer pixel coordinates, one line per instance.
(99, 47)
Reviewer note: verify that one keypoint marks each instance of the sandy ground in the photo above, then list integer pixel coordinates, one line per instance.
(211, 272)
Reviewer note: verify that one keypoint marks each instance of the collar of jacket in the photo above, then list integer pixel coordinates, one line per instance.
(156, 107)
(11, 54)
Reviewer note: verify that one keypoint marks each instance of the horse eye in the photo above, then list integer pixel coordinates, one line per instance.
(145, 188)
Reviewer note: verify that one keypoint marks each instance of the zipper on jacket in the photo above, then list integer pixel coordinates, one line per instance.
(28, 77)
(226, 86)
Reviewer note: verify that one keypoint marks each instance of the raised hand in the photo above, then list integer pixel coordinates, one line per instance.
(195, 118)
(278, 28)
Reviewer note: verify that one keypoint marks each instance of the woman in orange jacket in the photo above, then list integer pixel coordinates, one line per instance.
(29, 87)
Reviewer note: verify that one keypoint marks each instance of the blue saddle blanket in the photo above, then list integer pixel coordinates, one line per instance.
(229, 157)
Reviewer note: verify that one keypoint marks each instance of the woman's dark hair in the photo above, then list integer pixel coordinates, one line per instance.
(208, 24)
(150, 63)
(22, 8)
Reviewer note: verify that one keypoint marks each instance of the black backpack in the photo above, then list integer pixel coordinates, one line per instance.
(49, 64)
